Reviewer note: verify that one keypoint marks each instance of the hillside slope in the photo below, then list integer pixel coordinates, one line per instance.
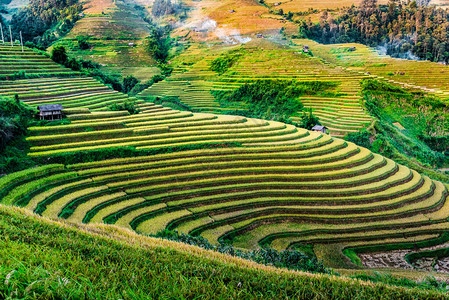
(430, 77)
(42, 258)
(48, 82)
(264, 183)
(112, 26)
(193, 82)
(245, 181)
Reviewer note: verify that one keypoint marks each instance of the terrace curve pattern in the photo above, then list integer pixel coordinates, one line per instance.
(282, 187)
(192, 82)
(51, 83)
(14, 60)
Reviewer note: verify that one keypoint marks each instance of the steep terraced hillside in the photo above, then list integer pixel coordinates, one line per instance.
(283, 186)
(421, 75)
(76, 92)
(111, 27)
(193, 81)
(53, 83)
(13, 61)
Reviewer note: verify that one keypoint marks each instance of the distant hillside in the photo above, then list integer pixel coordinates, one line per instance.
(9, 7)
(115, 33)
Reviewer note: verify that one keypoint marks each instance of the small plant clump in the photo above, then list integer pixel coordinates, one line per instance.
(290, 259)
(129, 105)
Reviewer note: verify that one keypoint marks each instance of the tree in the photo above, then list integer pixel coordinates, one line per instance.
(308, 119)
(360, 138)
(164, 7)
(401, 29)
(129, 82)
(82, 42)
(14, 119)
(158, 44)
(43, 21)
(59, 55)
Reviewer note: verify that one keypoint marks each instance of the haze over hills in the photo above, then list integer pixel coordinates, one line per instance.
(195, 122)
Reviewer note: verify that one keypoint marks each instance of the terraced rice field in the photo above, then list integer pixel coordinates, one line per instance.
(112, 26)
(192, 82)
(424, 75)
(13, 60)
(285, 186)
(72, 93)
(156, 127)
(342, 114)
(194, 94)
(55, 83)
(245, 16)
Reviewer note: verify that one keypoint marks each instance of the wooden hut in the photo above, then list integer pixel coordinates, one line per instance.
(50, 112)
(319, 128)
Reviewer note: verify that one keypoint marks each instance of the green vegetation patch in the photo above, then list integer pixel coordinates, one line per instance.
(273, 99)
(420, 142)
(75, 157)
(223, 63)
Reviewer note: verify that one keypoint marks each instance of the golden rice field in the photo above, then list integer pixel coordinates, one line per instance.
(422, 75)
(283, 187)
(265, 184)
(112, 26)
(192, 81)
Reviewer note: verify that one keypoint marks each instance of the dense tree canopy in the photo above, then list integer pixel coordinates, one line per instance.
(39, 21)
(404, 29)
(158, 43)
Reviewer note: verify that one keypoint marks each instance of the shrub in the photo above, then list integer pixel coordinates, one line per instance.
(361, 138)
(15, 116)
(272, 99)
(59, 54)
(223, 63)
(83, 42)
(290, 259)
(374, 85)
(158, 44)
(308, 119)
(129, 105)
(129, 83)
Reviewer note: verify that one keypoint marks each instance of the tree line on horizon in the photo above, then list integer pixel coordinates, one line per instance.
(403, 28)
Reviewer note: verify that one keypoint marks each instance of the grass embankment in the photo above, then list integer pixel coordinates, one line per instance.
(411, 127)
(45, 259)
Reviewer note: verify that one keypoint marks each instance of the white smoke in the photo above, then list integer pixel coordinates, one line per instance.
(383, 50)
(228, 36)
(208, 25)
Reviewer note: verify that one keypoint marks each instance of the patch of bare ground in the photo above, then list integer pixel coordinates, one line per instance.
(396, 259)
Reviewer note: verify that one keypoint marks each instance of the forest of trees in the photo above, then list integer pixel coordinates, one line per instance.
(403, 28)
(41, 19)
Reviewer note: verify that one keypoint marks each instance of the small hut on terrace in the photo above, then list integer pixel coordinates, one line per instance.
(50, 112)
(319, 128)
